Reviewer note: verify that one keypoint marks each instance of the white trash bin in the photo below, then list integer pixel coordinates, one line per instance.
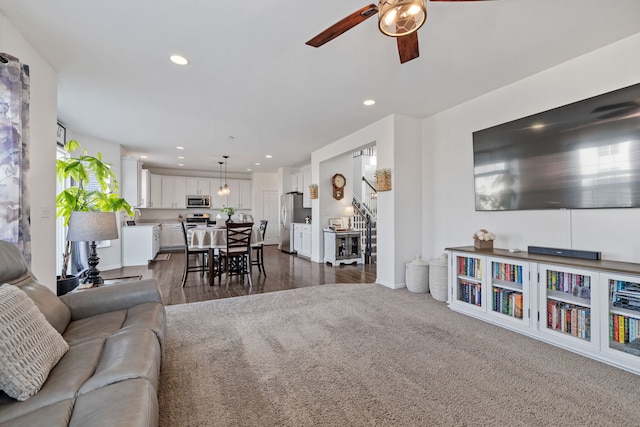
(417, 276)
(438, 271)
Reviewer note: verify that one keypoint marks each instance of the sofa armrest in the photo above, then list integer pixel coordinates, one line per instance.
(105, 299)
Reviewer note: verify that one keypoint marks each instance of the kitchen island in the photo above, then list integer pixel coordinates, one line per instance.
(140, 243)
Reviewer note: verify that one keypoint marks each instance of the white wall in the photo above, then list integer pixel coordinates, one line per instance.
(448, 206)
(398, 145)
(42, 185)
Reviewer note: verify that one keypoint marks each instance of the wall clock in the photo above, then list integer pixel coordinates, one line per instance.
(338, 182)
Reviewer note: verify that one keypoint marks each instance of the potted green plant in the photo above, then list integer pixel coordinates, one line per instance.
(79, 197)
(227, 210)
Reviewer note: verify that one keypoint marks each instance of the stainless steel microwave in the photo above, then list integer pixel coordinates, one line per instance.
(198, 201)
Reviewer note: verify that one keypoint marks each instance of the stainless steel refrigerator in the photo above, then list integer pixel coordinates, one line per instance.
(291, 211)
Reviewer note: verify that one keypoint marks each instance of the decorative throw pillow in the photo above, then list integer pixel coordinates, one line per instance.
(29, 346)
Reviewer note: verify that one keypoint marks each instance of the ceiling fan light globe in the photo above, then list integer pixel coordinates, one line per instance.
(399, 18)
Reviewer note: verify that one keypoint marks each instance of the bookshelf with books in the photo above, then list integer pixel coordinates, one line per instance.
(621, 325)
(590, 307)
(510, 289)
(565, 303)
(468, 279)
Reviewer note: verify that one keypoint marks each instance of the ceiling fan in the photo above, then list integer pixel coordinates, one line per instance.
(396, 18)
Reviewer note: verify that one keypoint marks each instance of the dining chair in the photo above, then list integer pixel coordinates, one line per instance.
(259, 249)
(235, 257)
(188, 252)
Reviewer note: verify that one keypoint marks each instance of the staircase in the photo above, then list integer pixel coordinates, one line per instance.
(365, 219)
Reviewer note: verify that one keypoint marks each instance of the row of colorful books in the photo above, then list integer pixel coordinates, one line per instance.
(567, 282)
(623, 329)
(471, 267)
(470, 292)
(507, 272)
(569, 318)
(508, 302)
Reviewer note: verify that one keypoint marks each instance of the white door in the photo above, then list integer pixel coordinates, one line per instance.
(270, 202)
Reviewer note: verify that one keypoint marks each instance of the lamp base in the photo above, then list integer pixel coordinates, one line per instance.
(93, 274)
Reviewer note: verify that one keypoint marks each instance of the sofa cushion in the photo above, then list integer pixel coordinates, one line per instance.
(29, 346)
(55, 311)
(65, 379)
(57, 414)
(149, 315)
(129, 354)
(13, 263)
(128, 403)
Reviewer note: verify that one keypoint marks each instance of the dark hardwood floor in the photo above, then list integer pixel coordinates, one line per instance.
(284, 271)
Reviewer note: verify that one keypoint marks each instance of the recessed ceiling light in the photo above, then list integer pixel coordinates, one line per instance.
(180, 148)
(268, 156)
(181, 157)
(143, 157)
(178, 60)
(249, 169)
(257, 164)
(537, 126)
(369, 102)
(180, 164)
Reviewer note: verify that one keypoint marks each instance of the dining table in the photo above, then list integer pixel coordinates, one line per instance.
(214, 238)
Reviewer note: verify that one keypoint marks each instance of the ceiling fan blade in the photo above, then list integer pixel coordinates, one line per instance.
(343, 25)
(408, 47)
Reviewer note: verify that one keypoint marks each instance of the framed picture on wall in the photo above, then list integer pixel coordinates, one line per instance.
(61, 135)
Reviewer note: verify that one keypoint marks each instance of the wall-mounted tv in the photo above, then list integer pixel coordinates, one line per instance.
(584, 155)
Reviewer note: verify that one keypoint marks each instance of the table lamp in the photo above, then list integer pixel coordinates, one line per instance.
(92, 227)
(348, 210)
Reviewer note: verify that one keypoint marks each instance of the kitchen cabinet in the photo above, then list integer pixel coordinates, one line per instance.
(244, 194)
(140, 244)
(151, 190)
(155, 191)
(131, 182)
(174, 195)
(239, 198)
(342, 247)
(296, 182)
(197, 186)
(171, 236)
(302, 239)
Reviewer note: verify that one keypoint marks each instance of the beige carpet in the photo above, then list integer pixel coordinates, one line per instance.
(365, 355)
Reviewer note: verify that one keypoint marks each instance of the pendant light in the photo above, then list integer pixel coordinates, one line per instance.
(220, 191)
(226, 190)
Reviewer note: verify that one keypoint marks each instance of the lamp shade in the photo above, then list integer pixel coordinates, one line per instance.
(348, 210)
(92, 226)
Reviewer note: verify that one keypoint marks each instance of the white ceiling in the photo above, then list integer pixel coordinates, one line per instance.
(252, 77)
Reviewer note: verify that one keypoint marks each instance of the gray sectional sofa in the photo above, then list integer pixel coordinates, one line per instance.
(109, 376)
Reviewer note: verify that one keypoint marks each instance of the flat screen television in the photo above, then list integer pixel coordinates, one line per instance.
(584, 155)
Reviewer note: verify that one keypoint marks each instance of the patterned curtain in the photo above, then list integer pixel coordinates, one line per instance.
(15, 212)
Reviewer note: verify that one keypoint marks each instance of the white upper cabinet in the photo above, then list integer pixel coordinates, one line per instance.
(131, 185)
(174, 194)
(198, 186)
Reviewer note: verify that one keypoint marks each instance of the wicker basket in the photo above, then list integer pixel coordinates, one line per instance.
(482, 244)
(383, 182)
(313, 193)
